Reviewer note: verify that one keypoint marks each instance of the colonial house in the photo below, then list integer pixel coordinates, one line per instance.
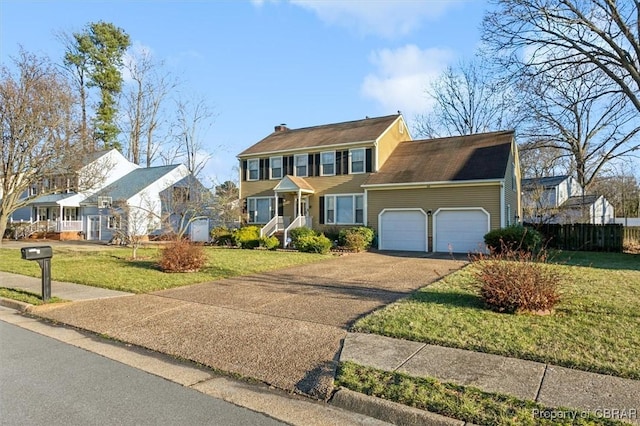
(439, 195)
(559, 199)
(122, 198)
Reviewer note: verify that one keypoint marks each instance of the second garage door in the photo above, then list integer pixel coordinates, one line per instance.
(403, 230)
(460, 231)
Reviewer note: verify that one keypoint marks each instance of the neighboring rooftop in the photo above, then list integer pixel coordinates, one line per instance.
(544, 182)
(458, 158)
(579, 201)
(284, 139)
(132, 183)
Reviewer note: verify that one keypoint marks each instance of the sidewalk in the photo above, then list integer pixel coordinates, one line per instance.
(547, 384)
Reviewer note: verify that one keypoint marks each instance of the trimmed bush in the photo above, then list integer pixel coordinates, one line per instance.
(182, 256)
(303, 231)
(516, 281)
(314, 244)
(247, 237)
(358, 238)
(514, 237)
(270, 243)
(222, 236)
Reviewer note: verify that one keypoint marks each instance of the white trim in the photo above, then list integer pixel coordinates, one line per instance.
(503, 213)
(365, 212)
(271, 167)
(444, 209)
(306, 165)
(335, 209)
(257, 160)
(421, 185)
(364, 160)
(314, 148)
(322, 173)
(426, 225)
(271, 208)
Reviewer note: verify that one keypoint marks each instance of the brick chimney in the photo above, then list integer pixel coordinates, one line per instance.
(281, 128)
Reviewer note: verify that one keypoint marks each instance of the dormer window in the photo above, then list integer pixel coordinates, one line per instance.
(328, 163)
(356, 163)
(301, 163)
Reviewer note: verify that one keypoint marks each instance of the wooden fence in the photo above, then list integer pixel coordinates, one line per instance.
(632, 234)
(582, 236)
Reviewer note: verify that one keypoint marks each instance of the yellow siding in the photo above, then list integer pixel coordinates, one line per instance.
(390, 140)
(487, 197)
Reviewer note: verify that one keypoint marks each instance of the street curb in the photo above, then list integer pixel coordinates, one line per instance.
(15, 304)
(388, 411)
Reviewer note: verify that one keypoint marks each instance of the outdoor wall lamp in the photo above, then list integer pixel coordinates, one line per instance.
(428, 212)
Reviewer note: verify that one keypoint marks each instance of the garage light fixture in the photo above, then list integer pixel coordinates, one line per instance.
(428, 212)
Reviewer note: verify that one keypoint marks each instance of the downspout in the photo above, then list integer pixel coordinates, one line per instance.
(502, 205)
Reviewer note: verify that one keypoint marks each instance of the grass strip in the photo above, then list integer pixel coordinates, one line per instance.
(26, 296)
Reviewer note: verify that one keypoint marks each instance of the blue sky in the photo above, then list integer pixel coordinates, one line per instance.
(262, 63)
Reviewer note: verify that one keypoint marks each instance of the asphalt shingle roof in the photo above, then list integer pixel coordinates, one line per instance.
(368, 129)
(458, 158)
(544, 182)
(579, 201)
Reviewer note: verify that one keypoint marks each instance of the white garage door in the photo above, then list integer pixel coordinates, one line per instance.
(460, 231)
(403, 230)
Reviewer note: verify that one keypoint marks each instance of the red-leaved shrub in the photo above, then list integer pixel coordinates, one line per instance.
(182, 256)
(517, 281)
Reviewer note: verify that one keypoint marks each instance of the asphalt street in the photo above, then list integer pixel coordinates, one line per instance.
(47, 382)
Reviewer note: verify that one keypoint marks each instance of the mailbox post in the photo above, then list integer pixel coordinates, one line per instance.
(42, 255)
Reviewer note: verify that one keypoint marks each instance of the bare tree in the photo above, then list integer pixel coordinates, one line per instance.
(194, 118)
(553, 36)
(36, 112)
(226, 205)
(467, 99)
(537, 162)
(144, 99)
(185, 203)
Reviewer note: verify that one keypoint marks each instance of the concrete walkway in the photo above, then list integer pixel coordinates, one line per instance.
(550, 385)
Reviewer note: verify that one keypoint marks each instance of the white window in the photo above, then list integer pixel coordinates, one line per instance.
(104, 202)
(260, 209)
(301, 162)
(70, 213)
(328, 163)
(254, 169)
(113, 222)
(356, 165)
(275, 165)
(344, 209)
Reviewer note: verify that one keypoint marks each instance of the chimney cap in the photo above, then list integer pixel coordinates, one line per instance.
(281, 128)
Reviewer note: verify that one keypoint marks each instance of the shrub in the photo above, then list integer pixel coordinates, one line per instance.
(270, 243)
(182, 256)
(517, 281)
(514, 237)
(222, 236)
(358, 238)
(247, 237)
(314, 244)
(298, 233)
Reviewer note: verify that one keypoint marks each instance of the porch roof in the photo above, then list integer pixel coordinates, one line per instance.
(50, 199)
(294, 184)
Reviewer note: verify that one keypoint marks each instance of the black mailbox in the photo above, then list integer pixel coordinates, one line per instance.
(42, 255)
(36, 253)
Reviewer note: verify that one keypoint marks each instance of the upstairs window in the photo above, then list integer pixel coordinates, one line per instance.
(253, 167)
(328, 163)
(356, 164)
(104, 202)
(301, 163)
(276, 167)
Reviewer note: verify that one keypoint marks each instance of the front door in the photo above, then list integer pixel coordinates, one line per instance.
(93, 228)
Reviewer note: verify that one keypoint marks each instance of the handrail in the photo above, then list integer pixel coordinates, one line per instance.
(298, 222)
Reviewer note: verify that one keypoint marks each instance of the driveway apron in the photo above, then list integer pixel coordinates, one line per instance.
(284, 327)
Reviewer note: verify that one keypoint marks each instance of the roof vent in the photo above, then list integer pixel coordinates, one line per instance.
(281, 128)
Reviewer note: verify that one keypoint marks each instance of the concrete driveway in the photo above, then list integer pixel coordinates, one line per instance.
(284, 327)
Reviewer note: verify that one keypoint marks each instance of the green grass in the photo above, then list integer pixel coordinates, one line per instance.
(461, 402)
(112, 268)
(595, 327)
(26, 296)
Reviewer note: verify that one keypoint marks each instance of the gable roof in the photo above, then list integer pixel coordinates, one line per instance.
(578, 201)
(132, 183)
(545, 182)
(457, 158)
(365, 130)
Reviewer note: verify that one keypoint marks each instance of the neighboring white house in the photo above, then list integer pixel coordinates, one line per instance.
(558, 199)
(118, 196)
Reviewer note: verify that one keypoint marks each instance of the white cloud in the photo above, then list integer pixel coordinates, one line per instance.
(402, 76)
(388, 18)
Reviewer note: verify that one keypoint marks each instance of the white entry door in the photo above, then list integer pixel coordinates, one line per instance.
(93, 228)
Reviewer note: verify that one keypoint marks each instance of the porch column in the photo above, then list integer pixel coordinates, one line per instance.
(60, 219)
(299, 202)
(275, 208)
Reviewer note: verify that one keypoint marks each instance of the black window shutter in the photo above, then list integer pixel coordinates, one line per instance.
(280, 206)
(321, 199)
(291, 169)
(338, 162)
(266, 168)
(244, 170)
(310, 165)
(285, 167)
(345, 162)
(316, 171)
(369, 160)
(261, 169)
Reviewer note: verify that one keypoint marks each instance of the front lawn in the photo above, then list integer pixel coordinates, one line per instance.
(112, 268)
(595, 327)
(26, 296)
